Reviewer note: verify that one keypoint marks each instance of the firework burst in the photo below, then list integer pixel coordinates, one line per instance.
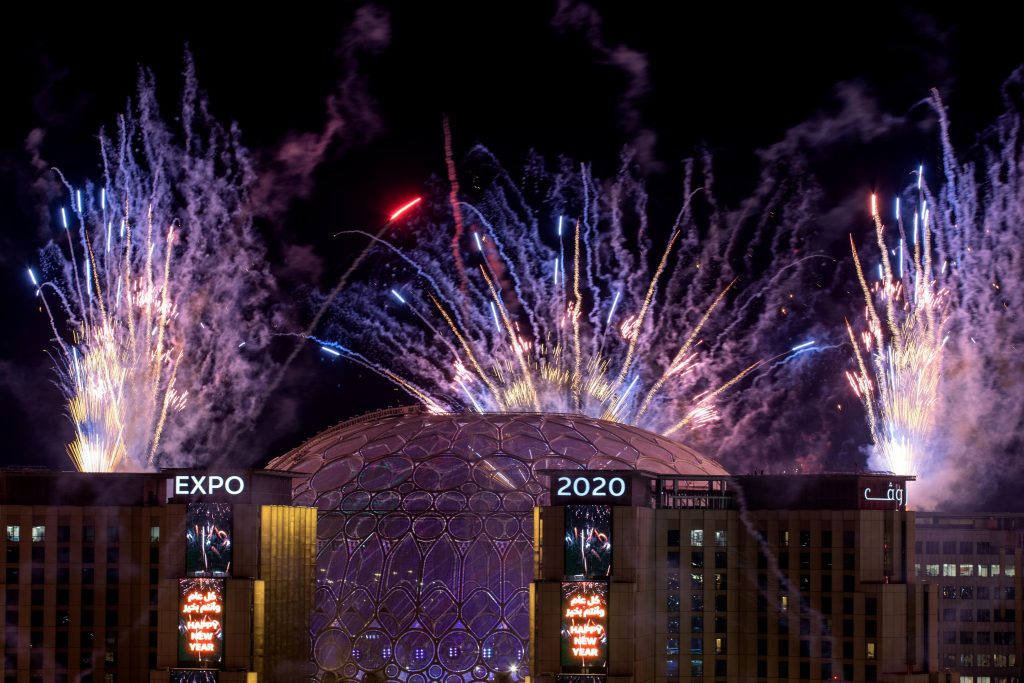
(899, 354)
(154, 293)
(544, 312)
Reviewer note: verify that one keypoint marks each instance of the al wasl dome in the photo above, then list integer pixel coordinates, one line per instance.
(425, 533)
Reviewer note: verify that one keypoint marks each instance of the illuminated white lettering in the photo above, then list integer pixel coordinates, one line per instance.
(227, 485)
(181, 485)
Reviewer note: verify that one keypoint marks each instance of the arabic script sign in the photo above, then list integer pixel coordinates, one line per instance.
(891, 495)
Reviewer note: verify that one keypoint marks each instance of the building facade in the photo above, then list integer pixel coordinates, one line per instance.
(697, 578)
(183, 576)
(974, 563)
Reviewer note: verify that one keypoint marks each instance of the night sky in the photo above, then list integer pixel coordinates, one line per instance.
(563, 79)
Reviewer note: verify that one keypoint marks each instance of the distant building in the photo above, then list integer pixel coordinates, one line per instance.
(187, 576)
(974, 563)
(718, 578)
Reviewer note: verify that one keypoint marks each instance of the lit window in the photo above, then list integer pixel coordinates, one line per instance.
(720, 538)
(154, 534)
(871, 651)
(719, 646)
(38, 534)
(967, 570)
(931, 570)
(994, 570)
(982, 570)
(1010, 570)
(697, 537)
(949, 570)
(13, 533)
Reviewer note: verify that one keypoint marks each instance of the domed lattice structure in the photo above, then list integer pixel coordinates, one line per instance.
(425, 534)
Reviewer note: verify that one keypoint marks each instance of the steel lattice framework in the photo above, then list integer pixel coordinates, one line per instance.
(425, 533)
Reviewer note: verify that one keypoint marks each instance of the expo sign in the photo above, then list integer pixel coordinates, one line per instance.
(205, 485)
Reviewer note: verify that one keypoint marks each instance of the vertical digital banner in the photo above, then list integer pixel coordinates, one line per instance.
(208, 539)
(193, 676)
(588, 541)
(200, 621)
(584, 626)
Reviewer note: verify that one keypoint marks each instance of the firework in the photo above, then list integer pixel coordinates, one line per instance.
(899, 354)
(557, 314)
(153, 291)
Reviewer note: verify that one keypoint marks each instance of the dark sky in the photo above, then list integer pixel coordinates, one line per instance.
(579, 80)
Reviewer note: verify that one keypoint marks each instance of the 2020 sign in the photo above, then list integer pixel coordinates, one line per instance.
(590, 487)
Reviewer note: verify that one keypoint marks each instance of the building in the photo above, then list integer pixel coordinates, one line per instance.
(974, 563)
(425, 547)
(186, 576)
(650, 577)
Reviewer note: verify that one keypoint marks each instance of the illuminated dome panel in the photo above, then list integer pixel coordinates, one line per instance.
(425, 533)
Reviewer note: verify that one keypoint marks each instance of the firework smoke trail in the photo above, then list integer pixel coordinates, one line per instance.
(594, 326)
(978, 217)
(158, 289)
(899, 355)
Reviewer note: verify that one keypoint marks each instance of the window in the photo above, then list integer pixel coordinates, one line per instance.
(88, 554)
(154, 574)
(949, 570)
(826, 560)
(949, 614)
(38, 534)
(697, 624)
(966, 548)
(697, 667)
(783, 560)
(13, 533)
(721, 667)
(697, 560)
(63, 534)
(13, 554)
(113, 555)
(673, 625)
(783, 538)
(849, 562)
(673, 559)
(871, 673)
(805, 648)
(720, 646)
(697, 537)
(984, 615)
(949, 547)
(949, 637)
(672, 541)
(721, 603)
(697, 602)
(671, 647)
(805, 560)
(805, 671)
(966, 592)
(88, 575)
(849, 539)
(931, 570)
(762, 668)
(983, 638)
(826, 539)
(805, 627)
(1010, 570)
(848, 650)
(871, 606)
(722, 581)
(848, 628)
(805, 582)
(113, 534)
(805, 538)
(848, 583)
(89, 533)
(672, 603)
(783, 668)
(696, 646)
(721, 625)
(696, 580)
(672, 667)
(37, 575)
(871, 628)
(721, 561)
(826, 648)
(931, 547)
(966, 570)
(720, 537)
(783, 647)
(870, 652)
(967, 637)
(826, 583)
(154, 555)
(826, 605)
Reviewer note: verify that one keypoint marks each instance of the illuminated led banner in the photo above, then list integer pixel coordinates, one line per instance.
(193, 676)
(201, 621)
(208, 539)
(588, 541)
(584, 626)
